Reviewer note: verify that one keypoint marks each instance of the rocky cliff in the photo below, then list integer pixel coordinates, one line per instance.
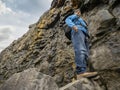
(46, 48)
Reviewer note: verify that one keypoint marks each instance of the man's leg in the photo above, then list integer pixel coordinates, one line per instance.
(81, 51)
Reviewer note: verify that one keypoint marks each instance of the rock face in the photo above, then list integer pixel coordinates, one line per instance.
(83, 84)
(30, 79)
(46, 48)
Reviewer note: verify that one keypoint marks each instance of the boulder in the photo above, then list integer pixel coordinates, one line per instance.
(29, 79)
(102, 19)
(82, 84)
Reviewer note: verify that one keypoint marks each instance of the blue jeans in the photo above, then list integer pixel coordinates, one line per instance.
(81, 49)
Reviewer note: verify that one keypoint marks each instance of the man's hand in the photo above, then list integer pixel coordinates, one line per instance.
(75, 28)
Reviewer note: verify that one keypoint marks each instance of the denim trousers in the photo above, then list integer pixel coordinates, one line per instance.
(81, 49)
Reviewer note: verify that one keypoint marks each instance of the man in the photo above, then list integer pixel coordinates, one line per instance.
(78, 36)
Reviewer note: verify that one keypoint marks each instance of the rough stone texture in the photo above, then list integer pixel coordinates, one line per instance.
(102, 19)
(46, 48)
(29, 79)
(48, 19)
(82, 84)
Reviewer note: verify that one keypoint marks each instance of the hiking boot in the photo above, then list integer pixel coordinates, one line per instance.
(87, 74)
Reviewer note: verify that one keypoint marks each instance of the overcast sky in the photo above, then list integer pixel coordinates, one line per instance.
(16, 16)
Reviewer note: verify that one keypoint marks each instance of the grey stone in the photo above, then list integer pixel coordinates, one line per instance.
(46, 48)
(82, 84)
(29, 79)
(102, 19)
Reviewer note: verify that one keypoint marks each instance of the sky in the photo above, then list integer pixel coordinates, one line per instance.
(16, 16)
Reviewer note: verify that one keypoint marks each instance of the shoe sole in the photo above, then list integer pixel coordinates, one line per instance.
(90, 76)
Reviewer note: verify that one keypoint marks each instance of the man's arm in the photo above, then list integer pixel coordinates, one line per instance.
(70, 23)
(82, 22)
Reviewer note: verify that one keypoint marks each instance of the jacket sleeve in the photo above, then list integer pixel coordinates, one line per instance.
(82, 22)
(69, 20)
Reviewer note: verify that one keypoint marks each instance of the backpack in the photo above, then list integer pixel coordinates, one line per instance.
(67, 31)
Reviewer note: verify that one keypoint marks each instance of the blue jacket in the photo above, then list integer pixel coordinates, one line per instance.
(74, 20)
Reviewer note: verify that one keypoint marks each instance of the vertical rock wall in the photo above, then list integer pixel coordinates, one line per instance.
(45, 47)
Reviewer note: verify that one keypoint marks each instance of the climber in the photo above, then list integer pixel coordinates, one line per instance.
(79, 34)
